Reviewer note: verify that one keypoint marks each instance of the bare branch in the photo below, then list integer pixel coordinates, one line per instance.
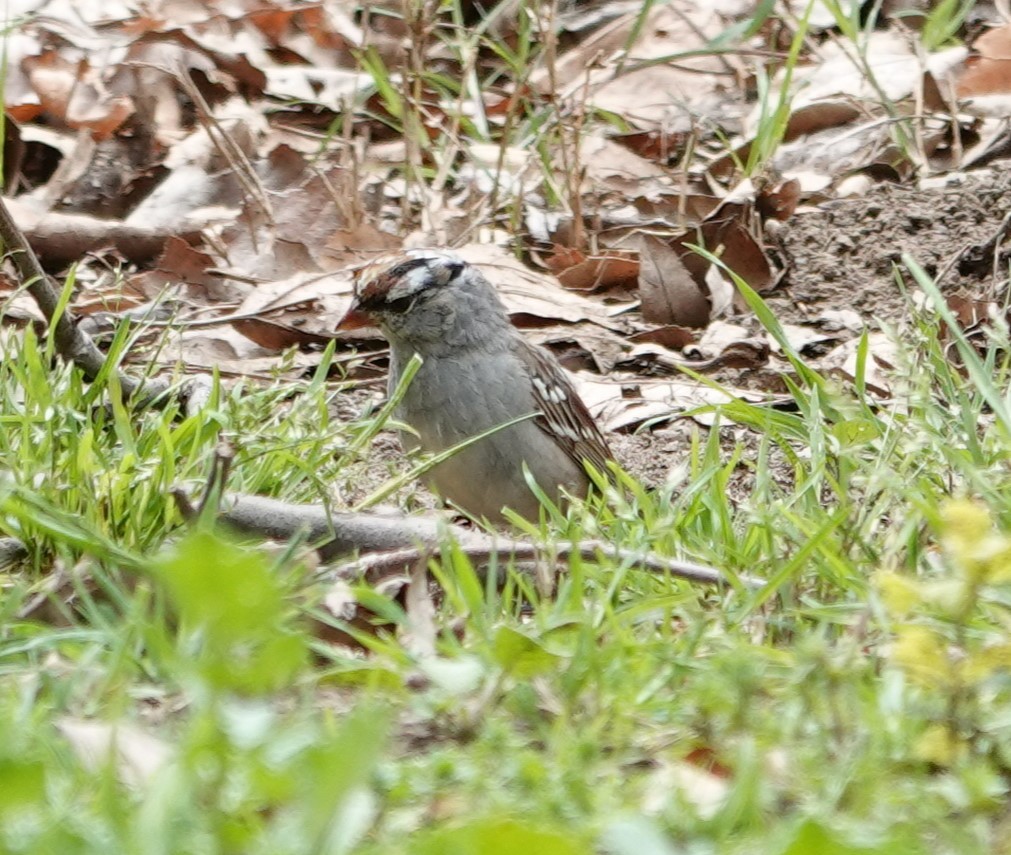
(389, 542)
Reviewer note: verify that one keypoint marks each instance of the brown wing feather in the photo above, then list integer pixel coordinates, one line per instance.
(564, 416)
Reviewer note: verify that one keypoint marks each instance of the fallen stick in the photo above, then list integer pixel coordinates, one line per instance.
(389, 542)
(334, 534)
(371, 568)
(60, 239)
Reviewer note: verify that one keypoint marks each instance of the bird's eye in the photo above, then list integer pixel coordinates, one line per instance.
(400, 305)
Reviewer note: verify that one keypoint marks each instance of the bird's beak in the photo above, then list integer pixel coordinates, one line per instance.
(355, 319)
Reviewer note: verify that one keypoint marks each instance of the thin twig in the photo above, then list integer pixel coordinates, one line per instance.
(370, 568)
(391, 541)
(226, 145)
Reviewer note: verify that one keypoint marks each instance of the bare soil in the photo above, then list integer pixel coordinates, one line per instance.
(843, 254)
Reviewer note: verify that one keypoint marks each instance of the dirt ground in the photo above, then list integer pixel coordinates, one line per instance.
(842, 255)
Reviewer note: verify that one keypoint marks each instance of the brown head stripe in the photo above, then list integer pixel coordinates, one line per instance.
(377, 286)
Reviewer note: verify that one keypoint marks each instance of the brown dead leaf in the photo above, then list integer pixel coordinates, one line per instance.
(254, 249)
(778, 201)
(310, 304)
(319, 34)
(659, 146)
(742, 253)
(889, 62)
(353, 246)
(223, 349)
(677, 208)
(97, 112)
(671, 336)
(182, 264)
(579, 347)
(653, 360)
(202, 186)
(277, 336)
(615, 167)
(626, 404)
(807, 340)
(72, 96)
(21, 101)
(741, 354)
(970, 312)
(669, 293)
(328, 87)
(726, 235)
(308, 219)
(581, 272)
(988, 69)
(111, 300)
(830, 94)
(230, 73)
(716, 338)
(535, 299)
(828, 113)
(53, 78)
(879, 375)
(647, 95)
(977, 319)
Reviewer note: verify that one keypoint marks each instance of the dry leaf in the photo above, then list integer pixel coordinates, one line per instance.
(669, 293)
(778, 201)
(988, 69)
(651, 95)
(578, 271)
(741, 252)
(672, 337)
(183, 265)
(277, 336)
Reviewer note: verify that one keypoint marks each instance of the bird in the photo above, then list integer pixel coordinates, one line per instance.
(478, 372)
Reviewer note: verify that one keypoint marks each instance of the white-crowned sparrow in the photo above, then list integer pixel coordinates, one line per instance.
(478, 373)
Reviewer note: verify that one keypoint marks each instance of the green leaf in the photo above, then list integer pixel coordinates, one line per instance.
(24, 783)
(520, 655)
(232, 610)
(813, 836)
(498, 837)
(855, 433)
(336, 769)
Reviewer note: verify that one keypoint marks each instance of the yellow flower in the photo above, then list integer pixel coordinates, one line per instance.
(984, 663)
(899, 593)
(937, 744)
(965, 523)
(922, 655)
(994, 556)
(972, 544)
